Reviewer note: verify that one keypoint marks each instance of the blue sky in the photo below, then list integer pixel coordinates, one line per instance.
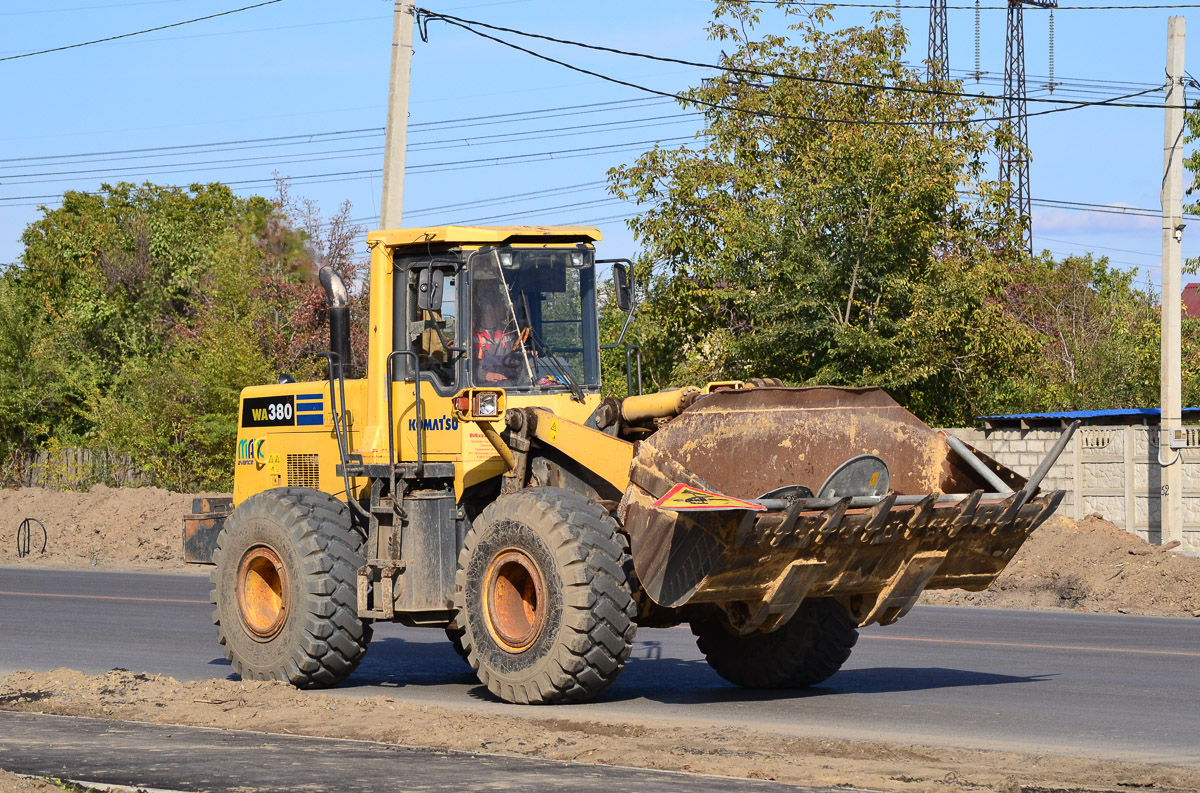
(301, 69)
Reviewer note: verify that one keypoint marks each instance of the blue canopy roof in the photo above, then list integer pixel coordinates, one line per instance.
(1088, 414)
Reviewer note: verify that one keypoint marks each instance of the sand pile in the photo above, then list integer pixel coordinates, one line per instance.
(107, 528)
(1090, 565)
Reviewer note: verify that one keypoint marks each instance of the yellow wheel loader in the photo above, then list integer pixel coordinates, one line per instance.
(475, 481)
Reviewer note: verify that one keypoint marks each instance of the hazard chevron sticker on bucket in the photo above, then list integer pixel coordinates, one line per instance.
(684, 498)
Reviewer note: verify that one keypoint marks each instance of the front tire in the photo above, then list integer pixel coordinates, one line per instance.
(804, 651)
(284, 588)
(544, 598)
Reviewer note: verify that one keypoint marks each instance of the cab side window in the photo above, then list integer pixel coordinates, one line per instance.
(432, 333)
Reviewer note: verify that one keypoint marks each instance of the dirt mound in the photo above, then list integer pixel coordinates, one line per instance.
(530, 732)
(106, 528)
(1090, 565)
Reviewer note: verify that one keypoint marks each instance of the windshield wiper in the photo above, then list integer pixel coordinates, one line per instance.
(555, 363)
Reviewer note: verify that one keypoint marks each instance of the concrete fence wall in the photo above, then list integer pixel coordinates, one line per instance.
(1112, 470)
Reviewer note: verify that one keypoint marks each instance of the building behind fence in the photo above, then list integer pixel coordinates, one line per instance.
(1111, 466)
(71, 469)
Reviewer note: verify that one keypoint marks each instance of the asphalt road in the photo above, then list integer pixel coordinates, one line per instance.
(1097, 685)
(196, 758)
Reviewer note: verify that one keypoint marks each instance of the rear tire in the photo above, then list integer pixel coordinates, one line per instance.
(805, 651)
(455, 635)
(285, 592)
(544, 597)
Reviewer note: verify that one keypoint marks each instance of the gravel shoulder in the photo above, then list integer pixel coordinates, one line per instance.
(669, 745)
(13, 783)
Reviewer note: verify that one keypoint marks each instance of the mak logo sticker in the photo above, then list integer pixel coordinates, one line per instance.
(685, 498)
(252, 451)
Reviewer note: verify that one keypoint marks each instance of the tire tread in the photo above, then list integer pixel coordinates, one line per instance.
(803, 652)
(333, 639)
(598, 626)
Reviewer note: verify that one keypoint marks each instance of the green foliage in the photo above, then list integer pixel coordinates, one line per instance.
(1091, 338)
(1191, 134)
(786, 245)
(140, 312)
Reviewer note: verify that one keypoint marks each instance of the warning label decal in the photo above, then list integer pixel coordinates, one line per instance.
(684, 498)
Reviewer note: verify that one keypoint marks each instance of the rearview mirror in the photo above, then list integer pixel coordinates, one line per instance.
(623, 285)
(429, 289)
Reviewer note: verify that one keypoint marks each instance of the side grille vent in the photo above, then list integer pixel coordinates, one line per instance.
(303, 470)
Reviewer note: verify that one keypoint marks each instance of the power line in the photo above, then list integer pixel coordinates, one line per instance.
(432, 126)
(566, 189)
(184, 167)
(458, 165)
(428, 15)
(188, 146)
(542, 210)
(1111, 209)
(139, 32)
(318, 156)
(337, 154)
(891, 6)
(923, 90)
(72, 159)
(1102, 248)
(560, 132)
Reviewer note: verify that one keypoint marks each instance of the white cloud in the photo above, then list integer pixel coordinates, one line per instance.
(1065, 220)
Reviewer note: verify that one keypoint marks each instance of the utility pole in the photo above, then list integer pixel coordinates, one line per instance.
(391, 207)
(1171, 416)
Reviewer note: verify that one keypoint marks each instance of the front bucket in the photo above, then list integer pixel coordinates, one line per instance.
(747, 443)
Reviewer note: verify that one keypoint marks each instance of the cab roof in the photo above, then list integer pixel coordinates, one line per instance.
(482, 235)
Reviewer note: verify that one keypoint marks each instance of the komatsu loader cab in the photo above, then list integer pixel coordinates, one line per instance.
(474, 481)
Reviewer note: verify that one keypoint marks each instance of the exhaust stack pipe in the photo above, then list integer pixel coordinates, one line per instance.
(337, 299)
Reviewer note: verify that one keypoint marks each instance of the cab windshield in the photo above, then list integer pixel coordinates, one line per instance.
(534, 318)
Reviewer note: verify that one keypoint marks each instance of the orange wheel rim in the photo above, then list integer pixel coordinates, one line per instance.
(261, 582)
(514, 600)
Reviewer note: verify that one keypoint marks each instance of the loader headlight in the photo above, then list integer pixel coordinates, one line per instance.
(486, 404)
(479, 404)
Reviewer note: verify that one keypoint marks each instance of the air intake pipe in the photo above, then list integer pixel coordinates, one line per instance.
(337, 300)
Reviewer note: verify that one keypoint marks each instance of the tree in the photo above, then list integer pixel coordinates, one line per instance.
(140, 312)
(1092, 337)
(797, 240)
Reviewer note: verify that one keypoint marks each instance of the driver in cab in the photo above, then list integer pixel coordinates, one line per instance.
(498, 353)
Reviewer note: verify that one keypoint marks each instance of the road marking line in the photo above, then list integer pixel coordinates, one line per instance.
(868, 636)
(1035, 646)
(101, 597)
